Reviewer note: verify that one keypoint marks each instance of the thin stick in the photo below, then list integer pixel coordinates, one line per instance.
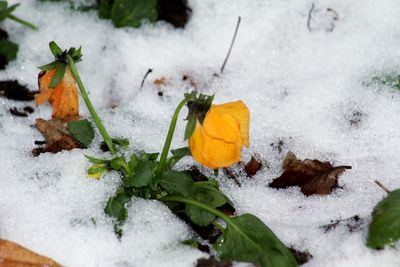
(384, 188)
(233, 41)
(309, 17)
(145, 76)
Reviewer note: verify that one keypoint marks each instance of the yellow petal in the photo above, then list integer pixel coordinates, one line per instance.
(240, 112)
(222, 126)
(213, 152)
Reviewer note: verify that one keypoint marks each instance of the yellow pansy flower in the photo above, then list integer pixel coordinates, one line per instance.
(218, 141)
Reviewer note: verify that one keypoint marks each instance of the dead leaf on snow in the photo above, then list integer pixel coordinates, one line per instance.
(57, 138)
(313, 176)
(253, 166)
(14, 255)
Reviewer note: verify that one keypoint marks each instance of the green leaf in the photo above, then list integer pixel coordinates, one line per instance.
(97, 170)
(116, 206)
(248, 239)
(4, 11)
(105, 7)
(82, 131)
(199, 216)
(208, 194)
(133, 162)
(142, 175)
(122, 142)
(177, 155)
(176, 183)
(131, 12)
(96, 160)
(118, 163)
(190, 127)
(385, 225)
(55, 49)
(59, 75)
(50, 66)
(8, 49)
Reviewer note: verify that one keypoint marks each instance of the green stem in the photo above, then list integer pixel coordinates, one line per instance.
(198, 204)
(90, 107)
(23, 22)
(167, 144)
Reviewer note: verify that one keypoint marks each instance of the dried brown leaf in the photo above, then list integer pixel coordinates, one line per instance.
(56, 134)
(313, 176)
(253, 166)
(14, 255)
(212, 262)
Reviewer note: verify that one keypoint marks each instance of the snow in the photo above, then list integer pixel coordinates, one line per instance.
(301, 86)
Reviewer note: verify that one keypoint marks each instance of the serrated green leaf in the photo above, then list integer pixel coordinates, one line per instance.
(82, 131)
(132, 12)
(385, 225)
(8, 49)
(59, 75)
(248, 239)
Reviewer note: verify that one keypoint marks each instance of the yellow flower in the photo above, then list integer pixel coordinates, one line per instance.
(219, 140)
(63, 98)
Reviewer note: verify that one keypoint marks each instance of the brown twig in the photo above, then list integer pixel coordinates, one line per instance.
(145, 76)
(309, 16)
(384, 188)
(230, 48)
(232, 176)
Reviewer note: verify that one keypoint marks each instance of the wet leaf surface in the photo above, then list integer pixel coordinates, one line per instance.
(313, 176)
(14, 255)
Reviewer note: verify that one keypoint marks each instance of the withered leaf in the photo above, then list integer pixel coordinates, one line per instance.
(11, 89)
(14, 255)
(212, 262)
(313, 176)
(352, 224)
(56, 134)
(175, 12)
(253, 166)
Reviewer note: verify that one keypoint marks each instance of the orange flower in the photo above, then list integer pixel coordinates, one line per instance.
(219, 141)
(63, 98)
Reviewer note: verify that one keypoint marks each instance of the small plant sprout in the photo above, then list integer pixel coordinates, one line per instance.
(6, 13)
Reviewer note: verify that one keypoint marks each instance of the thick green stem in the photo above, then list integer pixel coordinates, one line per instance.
(167, 144)
(90, 107)
(198, 204)
(23, 22)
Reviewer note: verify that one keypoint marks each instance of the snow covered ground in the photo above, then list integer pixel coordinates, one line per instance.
(301, 86)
